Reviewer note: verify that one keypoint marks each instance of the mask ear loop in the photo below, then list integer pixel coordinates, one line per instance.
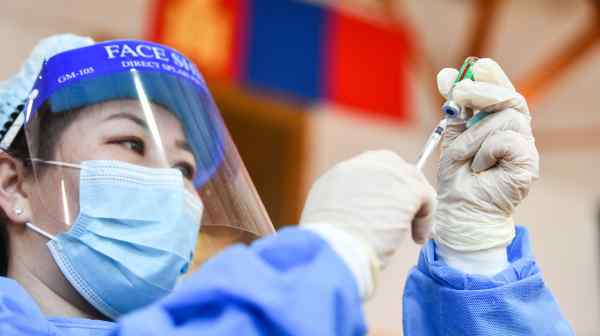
(58, 163)
(39, 231)
(54, 163)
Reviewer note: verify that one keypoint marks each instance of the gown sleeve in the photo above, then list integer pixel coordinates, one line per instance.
(440, 300)
(291, 283)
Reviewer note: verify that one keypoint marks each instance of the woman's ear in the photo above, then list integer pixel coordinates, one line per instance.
(14, 202)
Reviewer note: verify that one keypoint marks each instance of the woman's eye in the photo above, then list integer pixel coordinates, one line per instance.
(135, 145)
(186, 170)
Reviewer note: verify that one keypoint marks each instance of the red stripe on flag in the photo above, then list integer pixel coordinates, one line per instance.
(240, 12)
(368, 67)
(211, 33)
(155, 10)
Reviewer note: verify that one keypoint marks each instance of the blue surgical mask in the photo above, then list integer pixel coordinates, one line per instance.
(134, 236)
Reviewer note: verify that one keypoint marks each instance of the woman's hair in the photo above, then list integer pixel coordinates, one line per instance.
(50, 124)
(19, 151)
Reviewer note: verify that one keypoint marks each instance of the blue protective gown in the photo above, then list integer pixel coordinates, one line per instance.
(440, 300)
(291, 283)
(294, 284)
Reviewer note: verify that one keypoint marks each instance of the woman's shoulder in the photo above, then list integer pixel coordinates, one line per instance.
(20, 311)
(14, 297)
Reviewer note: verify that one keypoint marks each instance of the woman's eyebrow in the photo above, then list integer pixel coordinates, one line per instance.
(122, 115)
(182, 144)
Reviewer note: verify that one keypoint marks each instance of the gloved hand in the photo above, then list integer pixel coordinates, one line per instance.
(364, 206)
(485, 171)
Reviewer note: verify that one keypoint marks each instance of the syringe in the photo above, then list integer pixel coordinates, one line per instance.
(432, 143)
(452, 110)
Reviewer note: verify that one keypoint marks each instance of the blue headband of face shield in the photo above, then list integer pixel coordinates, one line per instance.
(121, 70)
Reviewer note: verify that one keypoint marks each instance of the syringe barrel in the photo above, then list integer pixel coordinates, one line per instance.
(431, 144)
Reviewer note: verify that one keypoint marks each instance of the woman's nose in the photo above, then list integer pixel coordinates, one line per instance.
(157, 157)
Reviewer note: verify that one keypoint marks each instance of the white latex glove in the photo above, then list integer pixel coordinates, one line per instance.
(485, 171)
(364, 206)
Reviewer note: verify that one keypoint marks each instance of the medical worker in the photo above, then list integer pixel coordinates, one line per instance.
(478, 275)
(97, 189)
(103, 148)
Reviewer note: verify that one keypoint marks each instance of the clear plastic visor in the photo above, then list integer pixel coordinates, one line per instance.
(148, 119)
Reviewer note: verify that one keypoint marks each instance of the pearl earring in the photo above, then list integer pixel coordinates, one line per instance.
(18, 211)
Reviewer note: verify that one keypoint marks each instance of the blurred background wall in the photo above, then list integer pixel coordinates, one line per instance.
(295, 111)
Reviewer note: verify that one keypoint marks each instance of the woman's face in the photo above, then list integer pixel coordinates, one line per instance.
(115, 130)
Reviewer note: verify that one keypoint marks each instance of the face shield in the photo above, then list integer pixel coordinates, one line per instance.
(143, 104)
